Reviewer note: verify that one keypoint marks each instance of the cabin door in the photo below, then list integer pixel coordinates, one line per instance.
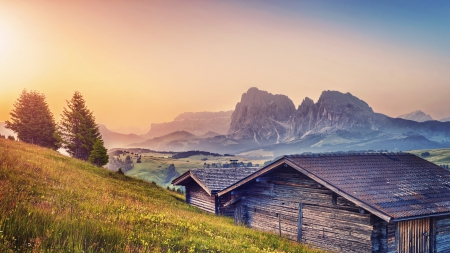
(414, 236)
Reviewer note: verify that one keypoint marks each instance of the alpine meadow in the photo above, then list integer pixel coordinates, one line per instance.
(54, 203)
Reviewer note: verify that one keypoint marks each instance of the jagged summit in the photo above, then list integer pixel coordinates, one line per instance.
(260, 116)
(337, 121)
(338, 99)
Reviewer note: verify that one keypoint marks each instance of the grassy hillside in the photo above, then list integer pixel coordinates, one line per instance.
(437, 156)
(53, 203)
(153, 166)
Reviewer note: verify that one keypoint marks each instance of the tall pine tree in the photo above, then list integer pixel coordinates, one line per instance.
(32, 120)
(78, 129)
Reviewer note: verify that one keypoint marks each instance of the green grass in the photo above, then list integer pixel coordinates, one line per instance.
(437, 156)
(153, 165)
(53, 203)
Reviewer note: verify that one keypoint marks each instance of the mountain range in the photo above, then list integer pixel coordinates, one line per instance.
(197, 123)
(271, 123)
(117, 140)
(264, 122)
(336, 122)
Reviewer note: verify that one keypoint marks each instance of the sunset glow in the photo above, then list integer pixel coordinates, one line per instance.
(142, 62)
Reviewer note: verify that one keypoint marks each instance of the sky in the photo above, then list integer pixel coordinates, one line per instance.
(142, 62)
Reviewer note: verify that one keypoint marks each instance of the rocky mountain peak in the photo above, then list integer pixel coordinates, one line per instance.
(265, 118)
(259, 114)
(418, 116)
(335, 100)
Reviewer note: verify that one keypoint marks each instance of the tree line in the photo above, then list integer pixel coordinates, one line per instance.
(77, 132)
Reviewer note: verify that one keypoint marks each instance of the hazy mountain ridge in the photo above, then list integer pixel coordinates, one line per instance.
(418, 116)
(116, 140)
(336, 122)
(175, 141)
(197, 123)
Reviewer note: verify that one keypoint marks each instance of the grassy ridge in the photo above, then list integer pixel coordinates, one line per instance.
(52, 203)
(153, 165)
(437, 156)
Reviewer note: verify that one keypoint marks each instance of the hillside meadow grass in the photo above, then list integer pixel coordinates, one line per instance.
(437, 156)
(53, 203)
(153, 165)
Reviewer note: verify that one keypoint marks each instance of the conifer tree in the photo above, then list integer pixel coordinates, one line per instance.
(78, 129)
(32, 120)
(99, 154)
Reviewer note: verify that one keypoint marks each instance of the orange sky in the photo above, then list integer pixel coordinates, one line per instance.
(142, 62)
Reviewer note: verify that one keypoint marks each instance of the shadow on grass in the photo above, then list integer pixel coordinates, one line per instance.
(179, 198)
(119, 176)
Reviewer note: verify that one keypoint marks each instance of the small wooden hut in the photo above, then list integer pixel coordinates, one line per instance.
(202, 186)
(368, 202)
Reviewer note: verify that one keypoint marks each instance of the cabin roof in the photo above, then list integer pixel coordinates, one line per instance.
(215, 179)
(390, 185)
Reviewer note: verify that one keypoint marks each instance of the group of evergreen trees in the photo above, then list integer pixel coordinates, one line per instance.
(77, 132)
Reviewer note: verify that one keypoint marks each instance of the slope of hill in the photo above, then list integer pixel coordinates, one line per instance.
(437, 156)
(445, 119)
(418, 116)
(53, 203)
(155, 166)
(116, 140)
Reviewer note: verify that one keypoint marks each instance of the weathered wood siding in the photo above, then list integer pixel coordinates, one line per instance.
(228, 210)
(197, 196)
(414, 236)
(442, 227)
(327, 221)
(391, 237)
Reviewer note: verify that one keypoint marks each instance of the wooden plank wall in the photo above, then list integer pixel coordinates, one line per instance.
(380, 235)
(226, 211)
(391, 237)
(414, 236)
(329, 221)
(196, 196)
(442, 234)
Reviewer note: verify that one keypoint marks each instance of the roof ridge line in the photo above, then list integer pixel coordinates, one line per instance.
(334, 154)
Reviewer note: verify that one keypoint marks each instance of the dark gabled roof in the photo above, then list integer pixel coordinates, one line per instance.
(390, 185)
(216, 179)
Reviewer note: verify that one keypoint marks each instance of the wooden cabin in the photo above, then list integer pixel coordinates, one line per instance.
(368, 202)
(202, 186)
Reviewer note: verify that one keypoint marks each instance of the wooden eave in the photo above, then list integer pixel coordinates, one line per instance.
(178, 180)
(187, 175)
(285, 160)
(433, 215)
